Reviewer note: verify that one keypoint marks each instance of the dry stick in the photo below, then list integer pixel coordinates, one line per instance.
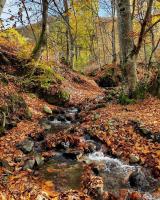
(4, 119)
(133, 11)
(143, 26)
(150, 59)
(149, 28)
(29, 21)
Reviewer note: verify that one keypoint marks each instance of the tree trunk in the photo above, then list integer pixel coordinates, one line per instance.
(127, 58)
(114, 56)
(40, 46)
(2, 3)
(69, 37)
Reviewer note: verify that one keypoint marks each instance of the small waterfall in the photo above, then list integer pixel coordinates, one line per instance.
(112, 164)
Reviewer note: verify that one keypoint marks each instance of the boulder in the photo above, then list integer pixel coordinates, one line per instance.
(73, 154)
(134, 159)
(47, 109)
(26, 146)
(138, 180)
(29, 164)
(39, 160)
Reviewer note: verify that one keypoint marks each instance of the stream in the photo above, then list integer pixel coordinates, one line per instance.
(65, 172)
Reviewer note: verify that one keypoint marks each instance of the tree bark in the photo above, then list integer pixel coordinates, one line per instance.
(127, 59)
(2, 3)
(69, 37)
(42, 41)
(114, 56)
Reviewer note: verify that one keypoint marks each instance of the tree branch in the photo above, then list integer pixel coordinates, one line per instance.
(143, 27)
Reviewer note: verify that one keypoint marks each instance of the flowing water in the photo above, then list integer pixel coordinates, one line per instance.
(66, 173)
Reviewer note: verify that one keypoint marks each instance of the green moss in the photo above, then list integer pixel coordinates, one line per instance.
(141, 90)
(124, 99)
(63, 95)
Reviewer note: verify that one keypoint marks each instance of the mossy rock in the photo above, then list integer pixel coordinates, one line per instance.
(59, 98)
(14, 110)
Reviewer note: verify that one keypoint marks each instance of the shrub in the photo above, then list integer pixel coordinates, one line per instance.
(11, 38)
(42, 73)
(63, 95)
(141, 90)
(124, 99)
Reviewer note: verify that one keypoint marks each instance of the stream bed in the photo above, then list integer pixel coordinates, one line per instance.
(66, 173)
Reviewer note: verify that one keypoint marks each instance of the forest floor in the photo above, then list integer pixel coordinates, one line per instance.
(130, 133)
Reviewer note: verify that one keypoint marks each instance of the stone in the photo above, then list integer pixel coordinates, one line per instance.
(91, 147)
(99, 167)
(63, 145)
(39, 160)
(157, 137)
(70, 116)
(47, 109)
(29, 114)
(138, 180)
(134, 159)
(61, 118)
(29, 164)
(72, 154)
(46, 125)
(26, 146)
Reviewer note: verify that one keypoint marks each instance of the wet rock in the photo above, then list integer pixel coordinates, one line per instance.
(61, 118)
(145, 132)
(47, 126)
(157, 137)
(92, 147)
(138, 180)
(47, 109)
(73, 154)
(26, 146)
(71, 116)
(97, 168)
(29, 114)
(39, 146)
(29, 164)
(134, 159)
(63, 145)
(39, 160)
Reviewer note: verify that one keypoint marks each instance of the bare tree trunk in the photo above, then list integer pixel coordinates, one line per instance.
(114, 56)
(129, 51)
(2, 3)
(40, 46)
(69, 37)
(153, 43)
(145, 53)
(128, 61)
